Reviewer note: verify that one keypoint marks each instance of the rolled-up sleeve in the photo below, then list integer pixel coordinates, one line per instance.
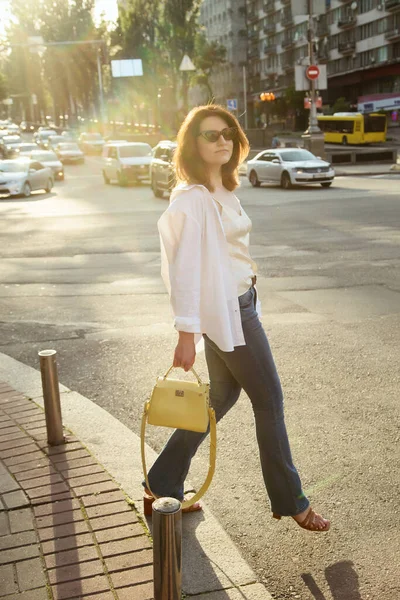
(181, 238)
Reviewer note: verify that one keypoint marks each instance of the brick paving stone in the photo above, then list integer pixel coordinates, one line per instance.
(11, 444)
(11, 433)
(70, 557)
(103, 498)
(107, 509)
(14, 541)
(40, 594)
(64, 530)
(120, 533)
(62, 448)
(30, 574)
(8, 585)
(47, 490)
(86, 490)
(38, 418)
(59, 458)
(4, 524)
(77, 571)
(56, 507)
(8, 483)
(5, 423)
(101, 596)
(15, 499)
(43, 480)
(67, 543)
(88, 479)
(51, 498)
(125, 518)
(137, 592)
(18, 413)
(59, 519)
(21, 520)
(68, 465)
(20, 463)
(132, 576)
(16, 554)
(77, 589)
(80, 471)
(22, 453)
(130, 561)
(125, 546)
(33, 473)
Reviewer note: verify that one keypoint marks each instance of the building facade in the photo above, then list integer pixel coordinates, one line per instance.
(359, 40)
(224, 21)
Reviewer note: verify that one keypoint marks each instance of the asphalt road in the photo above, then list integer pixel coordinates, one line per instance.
(79, 272)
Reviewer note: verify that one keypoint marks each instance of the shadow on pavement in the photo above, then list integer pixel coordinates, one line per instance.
(342, 579)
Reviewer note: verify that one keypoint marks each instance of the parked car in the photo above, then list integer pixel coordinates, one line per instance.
(51, 160)
(10, 145)
(26, 148)
(69, 152)
(52, 141)
(91, 143)
(126, 162)
(42, 135)
(289, 167)
(162, 176)
(22, 176)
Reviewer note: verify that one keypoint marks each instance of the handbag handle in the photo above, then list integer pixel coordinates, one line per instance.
(211, 466)
(192, 369)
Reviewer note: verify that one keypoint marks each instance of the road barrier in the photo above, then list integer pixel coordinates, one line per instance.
(51, 397)
(167, 549)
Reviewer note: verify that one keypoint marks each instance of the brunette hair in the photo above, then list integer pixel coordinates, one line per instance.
(189, 166)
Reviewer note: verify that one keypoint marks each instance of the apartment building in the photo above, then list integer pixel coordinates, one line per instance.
(359, 40)
(224, 21)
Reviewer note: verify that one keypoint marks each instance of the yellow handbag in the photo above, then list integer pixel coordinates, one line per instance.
(181, 405)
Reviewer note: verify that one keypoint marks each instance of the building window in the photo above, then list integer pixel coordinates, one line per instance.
(366, 5)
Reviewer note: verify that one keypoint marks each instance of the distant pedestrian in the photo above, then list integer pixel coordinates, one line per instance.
(211, 278)
(275, 142)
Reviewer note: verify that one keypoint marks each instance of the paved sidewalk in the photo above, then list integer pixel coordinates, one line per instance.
(67, 530)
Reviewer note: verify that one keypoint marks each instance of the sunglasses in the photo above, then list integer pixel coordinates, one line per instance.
(212, 135)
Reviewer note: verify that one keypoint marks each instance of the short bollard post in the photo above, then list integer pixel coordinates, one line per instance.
(167, 549)
(51, 397)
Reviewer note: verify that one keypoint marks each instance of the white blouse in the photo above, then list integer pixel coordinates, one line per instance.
(196, 268)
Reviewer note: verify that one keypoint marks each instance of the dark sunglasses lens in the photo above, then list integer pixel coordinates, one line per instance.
(211, 136)
(230, 134)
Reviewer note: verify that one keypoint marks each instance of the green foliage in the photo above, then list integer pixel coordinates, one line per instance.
(207, 56)
(341, 105)
(3, 87)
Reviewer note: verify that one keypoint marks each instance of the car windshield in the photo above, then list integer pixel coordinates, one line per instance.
(46, 134)
(13, 166)
(137, 150)
(93, 137)
(68, 147)
(295, 155)
(44, 156)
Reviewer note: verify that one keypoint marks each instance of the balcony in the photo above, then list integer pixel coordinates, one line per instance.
(269, 6)
(323, 55)
(393, 35)
(252, 16)
(254, 53)
(322, 29)
(284, 2)
(287, 19)
(392, 5)
(269, 28)
(269, 48)
(347, 22)
(347, 47)
(288, 42)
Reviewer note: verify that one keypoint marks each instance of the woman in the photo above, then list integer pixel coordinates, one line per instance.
(211, 279)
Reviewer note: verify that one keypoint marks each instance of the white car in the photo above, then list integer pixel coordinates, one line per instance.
(69, 152)
(26, 148)
(126, 162)
(51, 160)
(289, 167)
(22, 176)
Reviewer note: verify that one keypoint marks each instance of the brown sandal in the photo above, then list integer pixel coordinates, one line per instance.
(148, 510)
(308, 522)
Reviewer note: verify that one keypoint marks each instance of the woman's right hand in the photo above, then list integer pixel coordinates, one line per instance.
(185, 351)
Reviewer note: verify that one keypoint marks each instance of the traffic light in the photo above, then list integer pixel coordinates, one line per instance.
(267, 96)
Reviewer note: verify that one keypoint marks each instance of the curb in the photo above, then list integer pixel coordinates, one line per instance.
(211, 564)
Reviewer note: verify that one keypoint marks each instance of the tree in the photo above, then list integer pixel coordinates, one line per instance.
(3, 87)
(341, 105)
(207, 57)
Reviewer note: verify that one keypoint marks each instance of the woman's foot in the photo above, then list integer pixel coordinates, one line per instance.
(310, 520)
(148, 500)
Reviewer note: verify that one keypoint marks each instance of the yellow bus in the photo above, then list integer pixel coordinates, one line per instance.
(353, 128)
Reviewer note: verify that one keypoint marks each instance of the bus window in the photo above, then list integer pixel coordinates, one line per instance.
(374, 124)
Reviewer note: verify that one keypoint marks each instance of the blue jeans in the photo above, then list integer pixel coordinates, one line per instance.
(252, 368)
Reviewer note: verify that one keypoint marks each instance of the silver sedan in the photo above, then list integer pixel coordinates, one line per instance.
(289, 167)
(22, 176)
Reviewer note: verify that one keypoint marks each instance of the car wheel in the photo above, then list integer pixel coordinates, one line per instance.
(49, 186)
(344, 140)
(254, 179)
(286, 182)
(106, 179)
(158, 193)
(26, 190)
(327, 184)
(121, 179)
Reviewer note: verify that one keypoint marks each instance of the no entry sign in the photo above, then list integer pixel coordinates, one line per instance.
(312, 72)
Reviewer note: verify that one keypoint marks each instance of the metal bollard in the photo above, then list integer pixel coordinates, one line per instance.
(167, 549)
(51, 396)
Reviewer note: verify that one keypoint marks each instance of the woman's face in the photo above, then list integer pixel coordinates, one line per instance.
(214, 153)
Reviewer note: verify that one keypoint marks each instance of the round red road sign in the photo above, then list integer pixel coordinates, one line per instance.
(312, 72)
